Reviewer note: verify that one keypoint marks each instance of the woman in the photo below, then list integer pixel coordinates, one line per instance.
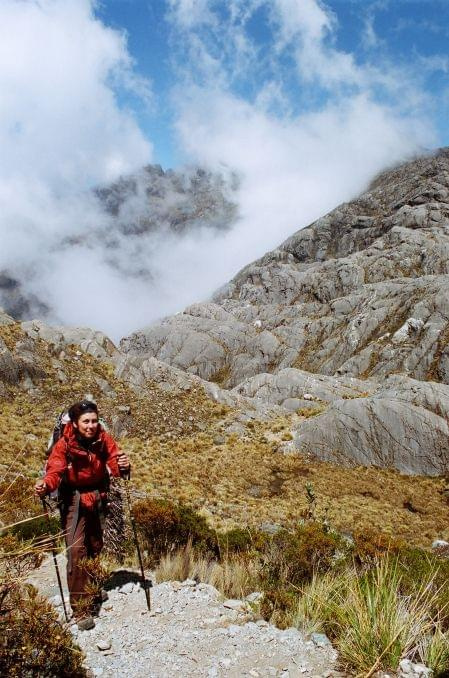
(79, 466)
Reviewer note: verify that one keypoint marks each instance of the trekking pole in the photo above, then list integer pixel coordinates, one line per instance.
(145, 584)
(53, 551)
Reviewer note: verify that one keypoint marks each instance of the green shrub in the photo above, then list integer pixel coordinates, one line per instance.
(292, 558)
(165, 526)
(37, 528)
(239, 540)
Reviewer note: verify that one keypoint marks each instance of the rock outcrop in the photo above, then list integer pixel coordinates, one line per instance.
(404, 425)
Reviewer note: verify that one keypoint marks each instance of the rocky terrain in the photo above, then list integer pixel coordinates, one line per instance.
(359, 297)
(322, 368)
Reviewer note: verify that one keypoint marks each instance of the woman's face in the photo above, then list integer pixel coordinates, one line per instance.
(87, 425)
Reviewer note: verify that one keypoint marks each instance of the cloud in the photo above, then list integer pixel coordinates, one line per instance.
(303, 123)
(297, 157)
(62, 131)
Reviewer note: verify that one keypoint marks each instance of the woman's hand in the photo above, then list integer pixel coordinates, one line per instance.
(123, 462)
(40, 488)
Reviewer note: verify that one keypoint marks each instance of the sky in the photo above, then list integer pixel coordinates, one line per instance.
(304, 100)
(401, 38)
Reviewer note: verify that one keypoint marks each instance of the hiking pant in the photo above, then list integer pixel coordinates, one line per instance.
(84, 539)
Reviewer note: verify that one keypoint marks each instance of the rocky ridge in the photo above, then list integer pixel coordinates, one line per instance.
(361, 294)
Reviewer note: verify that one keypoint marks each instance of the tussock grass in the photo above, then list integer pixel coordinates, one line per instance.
(234, 576)
(434, 651)
(373, 623)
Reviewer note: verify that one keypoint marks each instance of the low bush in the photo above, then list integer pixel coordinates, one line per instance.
(369, 544)
(240, 540)
(37, 528)
(32, 640)
(292, 558)
(165, 526)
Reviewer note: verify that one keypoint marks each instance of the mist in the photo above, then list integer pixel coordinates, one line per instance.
(64, 132)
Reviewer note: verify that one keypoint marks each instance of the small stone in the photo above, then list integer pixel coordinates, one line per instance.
(440, 544)
(107, 606)
(253, 673)
(127, 588)
(189, 582)
(234, 604)
(270, 528)
(406, 665)
(254, 597)
(219, 440)
(104, 645)
(320, 639)
(233, 629)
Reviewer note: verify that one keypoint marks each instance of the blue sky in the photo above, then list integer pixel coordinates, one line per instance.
(408, 34)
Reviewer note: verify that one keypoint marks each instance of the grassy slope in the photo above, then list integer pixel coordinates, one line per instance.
(244, 480)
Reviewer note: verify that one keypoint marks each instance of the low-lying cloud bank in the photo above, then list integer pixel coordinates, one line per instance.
(301, 123)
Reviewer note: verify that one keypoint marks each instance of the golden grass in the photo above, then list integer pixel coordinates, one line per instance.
(234, 576)
(372, 622)
(246, 480)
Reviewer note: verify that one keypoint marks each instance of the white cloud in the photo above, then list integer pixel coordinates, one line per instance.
(61, 129)
(294, 166)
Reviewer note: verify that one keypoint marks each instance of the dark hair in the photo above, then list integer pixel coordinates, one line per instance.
(80, 408)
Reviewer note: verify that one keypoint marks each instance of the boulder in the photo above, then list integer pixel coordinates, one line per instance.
(403, 425)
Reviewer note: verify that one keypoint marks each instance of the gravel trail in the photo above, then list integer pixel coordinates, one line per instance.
(190, 631)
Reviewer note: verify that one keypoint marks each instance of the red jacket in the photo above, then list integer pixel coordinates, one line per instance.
(82, 468)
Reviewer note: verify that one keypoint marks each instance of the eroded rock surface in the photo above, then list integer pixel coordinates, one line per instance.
(363, 291)
(404, 425)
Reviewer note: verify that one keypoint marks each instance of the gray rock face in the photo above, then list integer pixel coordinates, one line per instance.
(91, 341)
(303, 387)
(18, 367)
(404, 425)
(361, 294)
(362, 291)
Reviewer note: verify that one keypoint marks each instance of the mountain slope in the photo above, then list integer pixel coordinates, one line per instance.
(362, 292)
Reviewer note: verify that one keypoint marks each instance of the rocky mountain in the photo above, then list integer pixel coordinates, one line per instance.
(178, 200)
(351, 311)
(331, 348)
